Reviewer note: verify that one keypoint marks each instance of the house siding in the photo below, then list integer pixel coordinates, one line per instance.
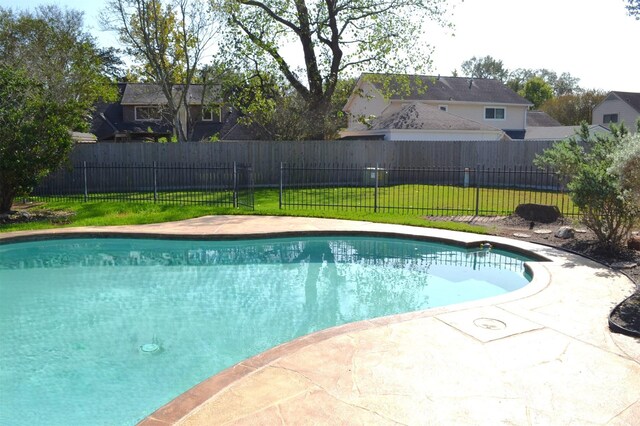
(372, 103)
(128, 113)
(625, 113)
(442, 136)
(515, 116)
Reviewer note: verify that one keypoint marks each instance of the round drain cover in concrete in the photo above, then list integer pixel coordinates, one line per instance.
(489, 323)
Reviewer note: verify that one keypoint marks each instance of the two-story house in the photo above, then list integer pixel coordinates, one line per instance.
(618, 107)
(142, 114)
(413, 107)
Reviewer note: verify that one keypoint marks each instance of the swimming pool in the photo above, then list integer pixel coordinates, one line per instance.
(107, 330)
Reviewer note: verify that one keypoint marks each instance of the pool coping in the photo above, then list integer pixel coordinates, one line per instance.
(214, 227)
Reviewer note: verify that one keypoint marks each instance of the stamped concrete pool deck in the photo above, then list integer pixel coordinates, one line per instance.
(542, 355)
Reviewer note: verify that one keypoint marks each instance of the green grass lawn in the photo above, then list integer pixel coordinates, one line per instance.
(417, 201)
(436, 200)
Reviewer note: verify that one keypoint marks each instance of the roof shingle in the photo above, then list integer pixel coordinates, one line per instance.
(458, 89)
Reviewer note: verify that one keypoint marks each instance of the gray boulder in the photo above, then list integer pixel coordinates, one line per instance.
(565, 232)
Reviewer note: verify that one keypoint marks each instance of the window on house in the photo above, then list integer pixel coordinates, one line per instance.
(211, 113)
(443, 108)
(494, 113)
(610, 118)
(144, 113)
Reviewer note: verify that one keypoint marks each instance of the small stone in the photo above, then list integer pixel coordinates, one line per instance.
(581, 231)
(521, 235)
(564, 232)
(542, 231)
(624, 265)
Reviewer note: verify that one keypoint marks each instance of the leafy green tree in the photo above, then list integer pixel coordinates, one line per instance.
(167, 39)
(486, 67)
(585, 162)
(537, 91)
(572, 109)
(267, 103)
(35, 136)
(562, 85)
(332, 38)
(54, 50)
(633, 8)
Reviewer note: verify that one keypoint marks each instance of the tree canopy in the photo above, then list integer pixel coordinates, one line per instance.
(537, 91)
(51, 46)
(571, 109)
(332, 39)
(34, 134)
(486, 67)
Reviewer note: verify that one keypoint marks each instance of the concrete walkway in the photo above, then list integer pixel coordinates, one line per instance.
(542, 355)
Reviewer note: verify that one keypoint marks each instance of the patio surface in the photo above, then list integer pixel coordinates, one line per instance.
(542, 355)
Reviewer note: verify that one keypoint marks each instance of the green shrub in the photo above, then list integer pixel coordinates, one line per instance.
(586, 162)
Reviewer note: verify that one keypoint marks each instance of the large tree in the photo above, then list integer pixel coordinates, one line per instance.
(537, 91)
(167, 39)
(485, 67)
(313, 43)
(572, 109)
(54, 50)
(34, 134)
(269, 106)
(562, 85)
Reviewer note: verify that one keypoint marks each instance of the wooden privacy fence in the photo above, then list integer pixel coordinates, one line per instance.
(266, 156)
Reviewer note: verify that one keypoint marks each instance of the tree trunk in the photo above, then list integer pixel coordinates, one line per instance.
(316, 128)
(6, 199)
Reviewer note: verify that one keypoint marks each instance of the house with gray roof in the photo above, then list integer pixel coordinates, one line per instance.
(141, 114)
(442, 108)
(618, 107)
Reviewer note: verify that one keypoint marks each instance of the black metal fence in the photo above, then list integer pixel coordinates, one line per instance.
(431, 191)
(222, 185)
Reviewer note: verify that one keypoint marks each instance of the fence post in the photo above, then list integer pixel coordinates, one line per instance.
(281, 186)
(477, 189)
(84, 177)
(235, 185)
(375, 191)
(155, 182)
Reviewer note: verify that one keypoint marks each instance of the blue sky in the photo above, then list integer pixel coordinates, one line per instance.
(593, 40)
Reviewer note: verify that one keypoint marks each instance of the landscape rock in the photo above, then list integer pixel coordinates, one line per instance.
(634, 243)
(565, 232)
(542, 231)
(623, 265)
(538, 212)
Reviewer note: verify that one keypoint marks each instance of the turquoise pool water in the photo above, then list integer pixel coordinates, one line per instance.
(105, 331)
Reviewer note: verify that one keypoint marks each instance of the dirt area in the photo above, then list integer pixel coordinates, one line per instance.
(624, 317)
(26, 213)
